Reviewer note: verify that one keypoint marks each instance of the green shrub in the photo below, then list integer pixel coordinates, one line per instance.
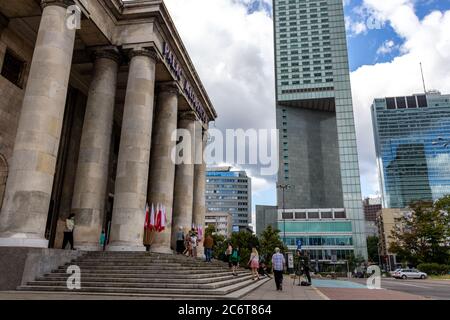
(434, 268)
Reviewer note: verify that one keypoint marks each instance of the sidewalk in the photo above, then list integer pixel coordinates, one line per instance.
(268, 291)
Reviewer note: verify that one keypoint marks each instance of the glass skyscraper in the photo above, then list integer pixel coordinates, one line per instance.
(317, 149)
(412, 136)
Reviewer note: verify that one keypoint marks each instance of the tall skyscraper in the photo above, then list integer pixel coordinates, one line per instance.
(318, 153)
(229, 191)
(412, 140)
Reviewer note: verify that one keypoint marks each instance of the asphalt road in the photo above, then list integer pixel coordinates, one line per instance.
(434, 289)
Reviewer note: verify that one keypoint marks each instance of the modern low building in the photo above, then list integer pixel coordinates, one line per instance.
(317, 149)
(386, 222)
(90, 97)
(412, 136)
(371, 207)
(266, 216)
(222, 221)
(230, 191)
(325, 233)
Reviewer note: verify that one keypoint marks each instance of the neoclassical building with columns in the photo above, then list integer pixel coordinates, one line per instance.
(91, 92)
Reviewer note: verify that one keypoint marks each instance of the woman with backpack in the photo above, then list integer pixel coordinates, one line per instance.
(254, 263)
(235, 258)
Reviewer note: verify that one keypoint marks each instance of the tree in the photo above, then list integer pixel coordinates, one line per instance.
(269, 240)
(372, 249)
(422, 236)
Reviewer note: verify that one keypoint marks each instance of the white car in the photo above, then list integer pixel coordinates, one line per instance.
(409, 274)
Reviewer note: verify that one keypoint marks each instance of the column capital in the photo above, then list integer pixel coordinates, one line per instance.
(168, 87)
(111, 53)
(188, 115)
(59, 3)
(151, 53)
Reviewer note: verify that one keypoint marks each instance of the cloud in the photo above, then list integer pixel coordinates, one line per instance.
(232, 49)
(387, 47)
(426, 41)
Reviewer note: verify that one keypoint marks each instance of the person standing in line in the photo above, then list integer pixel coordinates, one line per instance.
(278, 265)
(208, 244)
(254, 263)
(235, 258)
(180, 240)
(228, 253)
(68, 231)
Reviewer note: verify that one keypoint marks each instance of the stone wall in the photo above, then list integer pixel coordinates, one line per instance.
(26, 264)
(11, 95)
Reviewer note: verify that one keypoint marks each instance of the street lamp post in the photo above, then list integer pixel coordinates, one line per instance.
(283, 188)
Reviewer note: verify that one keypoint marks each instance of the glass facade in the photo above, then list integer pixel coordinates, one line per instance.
(318, 152)
(229, 192)
(411, 138)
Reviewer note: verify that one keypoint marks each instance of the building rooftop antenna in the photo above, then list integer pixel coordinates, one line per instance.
(423, 79)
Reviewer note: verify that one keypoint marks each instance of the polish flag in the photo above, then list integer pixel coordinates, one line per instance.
(147, 217)
(158, 218)
(163, 219)
(152, 218)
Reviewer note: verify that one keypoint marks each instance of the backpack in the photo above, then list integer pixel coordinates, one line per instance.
(235, 256)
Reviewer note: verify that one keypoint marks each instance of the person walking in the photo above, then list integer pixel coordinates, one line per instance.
(254, 263)
(235, 258)
(228, 253)
(278, 264)
(208, 244)
(180, 240)
(68, 232)
(102, 240)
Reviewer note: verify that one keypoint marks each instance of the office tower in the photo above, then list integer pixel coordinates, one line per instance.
(318, 152)
(412, 137)
(229, 191)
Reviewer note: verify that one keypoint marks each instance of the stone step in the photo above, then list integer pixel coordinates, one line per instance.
(139, 275)
(142, 268)
(127, 284)
(139, 279)
(149, 263)
(144, 272)
(143, 291)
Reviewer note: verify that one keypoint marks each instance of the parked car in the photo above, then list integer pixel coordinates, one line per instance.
(409, 274)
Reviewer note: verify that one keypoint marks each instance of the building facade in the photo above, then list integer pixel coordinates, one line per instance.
(371, 207)
(325, 233)
(411, 139)
(266, 216)
(386, 222)
(317, 151)
(222, 221)
(91, 94)
(230, 191)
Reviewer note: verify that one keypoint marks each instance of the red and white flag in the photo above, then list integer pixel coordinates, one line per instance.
(163, 219)
(152, 218)
(147, 217)
(158, 218)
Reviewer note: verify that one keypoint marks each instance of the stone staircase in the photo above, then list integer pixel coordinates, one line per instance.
(144, 274)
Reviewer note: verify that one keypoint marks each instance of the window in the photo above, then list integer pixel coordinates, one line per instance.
(13, 68)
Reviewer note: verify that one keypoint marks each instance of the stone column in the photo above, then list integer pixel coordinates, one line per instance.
(91, 180)
(29, 187)
(162, 167)
(127, 228)
(199, 206)
(184, 178)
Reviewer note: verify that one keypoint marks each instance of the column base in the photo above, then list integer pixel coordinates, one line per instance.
(22, 241)
(161, 249)
(118, 248)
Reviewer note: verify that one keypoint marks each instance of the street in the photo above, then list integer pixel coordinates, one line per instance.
(434, 289)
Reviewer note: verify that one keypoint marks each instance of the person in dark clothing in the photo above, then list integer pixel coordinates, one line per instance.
(68, 232)
(180, 241)
(303, 265)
